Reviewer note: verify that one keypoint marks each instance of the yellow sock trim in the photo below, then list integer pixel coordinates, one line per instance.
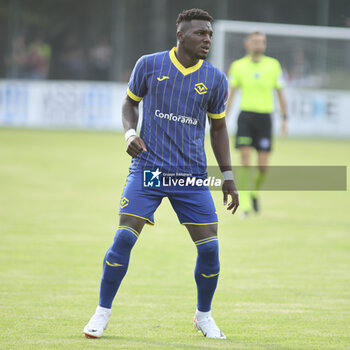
(206, 240)
(128, 228)
(113, 264)
(209, 276)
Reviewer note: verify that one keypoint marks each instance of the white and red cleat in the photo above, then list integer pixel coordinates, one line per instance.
(206, 324)
(98, 323)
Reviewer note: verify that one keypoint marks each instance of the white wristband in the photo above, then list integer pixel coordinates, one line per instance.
(130, 132)
(227, 175)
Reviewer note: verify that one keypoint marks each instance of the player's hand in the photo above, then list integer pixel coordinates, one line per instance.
(284, 128)
(134, 145)
(229, 189)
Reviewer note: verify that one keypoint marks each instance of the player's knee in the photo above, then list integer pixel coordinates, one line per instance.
(208, 253)
(124, 240)
(114, 259)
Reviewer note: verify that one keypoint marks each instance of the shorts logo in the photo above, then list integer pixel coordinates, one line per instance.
(201, 88)
(151, 178)
(264, 143)
(124, 202)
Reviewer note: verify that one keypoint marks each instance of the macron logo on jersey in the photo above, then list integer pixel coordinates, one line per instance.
(176, 118)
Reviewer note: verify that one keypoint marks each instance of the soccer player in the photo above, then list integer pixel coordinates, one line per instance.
(179, 90)
(257, 76)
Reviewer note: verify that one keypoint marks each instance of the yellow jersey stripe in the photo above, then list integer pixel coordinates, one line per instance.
(180, 67)
(216, 116)
(133, 96)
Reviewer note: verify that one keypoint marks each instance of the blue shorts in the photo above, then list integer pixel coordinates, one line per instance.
(192, 206)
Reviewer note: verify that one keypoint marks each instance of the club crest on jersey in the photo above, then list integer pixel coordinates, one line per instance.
(124, 202)
(201, 88)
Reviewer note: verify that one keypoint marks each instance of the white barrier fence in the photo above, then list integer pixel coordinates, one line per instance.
(90, 105)
(82, 105)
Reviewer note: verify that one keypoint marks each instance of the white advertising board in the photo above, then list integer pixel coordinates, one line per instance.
(92, 105)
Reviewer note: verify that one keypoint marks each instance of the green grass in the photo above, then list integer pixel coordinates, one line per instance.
(285, 280)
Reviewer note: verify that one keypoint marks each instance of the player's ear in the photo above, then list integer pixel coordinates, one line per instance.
(180, 36)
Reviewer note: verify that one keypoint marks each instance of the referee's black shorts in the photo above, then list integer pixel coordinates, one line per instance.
(255, 130)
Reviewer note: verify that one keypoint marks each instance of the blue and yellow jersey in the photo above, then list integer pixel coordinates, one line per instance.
(176, 102)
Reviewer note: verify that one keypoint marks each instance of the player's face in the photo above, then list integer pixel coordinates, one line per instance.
(256, 44)
(197, 38)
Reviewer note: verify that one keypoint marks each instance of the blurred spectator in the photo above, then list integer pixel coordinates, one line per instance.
(16, 61)
(38, 59)
(347, 24)
(101, 59)
(72, 60)
(300, 68)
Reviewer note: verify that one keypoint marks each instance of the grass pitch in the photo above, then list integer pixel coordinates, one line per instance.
(284, 284)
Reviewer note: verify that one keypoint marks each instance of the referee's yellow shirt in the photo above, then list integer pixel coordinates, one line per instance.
(257, 81)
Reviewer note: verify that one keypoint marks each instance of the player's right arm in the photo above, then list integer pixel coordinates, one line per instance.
(137, 89)
(130, 117)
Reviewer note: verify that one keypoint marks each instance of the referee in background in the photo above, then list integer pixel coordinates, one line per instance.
(257, 76)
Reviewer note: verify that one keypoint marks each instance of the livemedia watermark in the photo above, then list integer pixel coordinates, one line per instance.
(274, 178)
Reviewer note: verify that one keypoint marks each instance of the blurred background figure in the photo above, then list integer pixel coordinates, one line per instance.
(71, 63)
(16, 60)
(99, 42)
(299, 70)
(101, 58)
(257, 77)
(38, 59)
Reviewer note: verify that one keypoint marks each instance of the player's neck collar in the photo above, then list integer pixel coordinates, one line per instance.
(261, 57)
(180, 67)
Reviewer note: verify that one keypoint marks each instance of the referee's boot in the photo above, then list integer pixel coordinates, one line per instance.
(255, 204)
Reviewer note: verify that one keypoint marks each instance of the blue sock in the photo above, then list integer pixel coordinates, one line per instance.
(206, 272)
(115, 264)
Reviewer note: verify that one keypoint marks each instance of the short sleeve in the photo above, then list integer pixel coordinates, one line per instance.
(279, 84)
(137, 87)
(233, 76)
(217, 103)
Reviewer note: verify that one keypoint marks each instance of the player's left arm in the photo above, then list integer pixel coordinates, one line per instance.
(281, 98)
(283, 107)
(221, 148)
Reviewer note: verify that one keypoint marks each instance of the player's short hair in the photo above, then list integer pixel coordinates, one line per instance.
(254, 32)
(189, 15)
